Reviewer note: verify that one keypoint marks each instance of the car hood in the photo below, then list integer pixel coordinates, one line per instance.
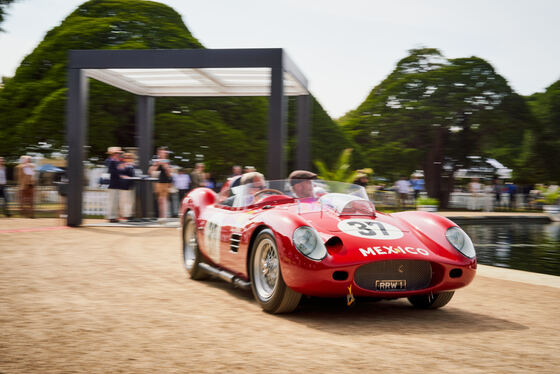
(383, 237)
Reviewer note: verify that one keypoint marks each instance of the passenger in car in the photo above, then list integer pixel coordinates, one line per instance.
(251, 183)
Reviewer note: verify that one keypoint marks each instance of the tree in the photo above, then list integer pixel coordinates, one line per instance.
(96, 24)
(546, 139)
(431, 113)
(3, 5)
(32, 102)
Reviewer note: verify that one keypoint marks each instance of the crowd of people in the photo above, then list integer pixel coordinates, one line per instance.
(172, 183)
(482, 194)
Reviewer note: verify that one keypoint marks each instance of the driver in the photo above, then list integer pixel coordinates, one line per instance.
(301, 183)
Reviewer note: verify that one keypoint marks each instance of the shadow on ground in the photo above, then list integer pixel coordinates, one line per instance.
(369, 317)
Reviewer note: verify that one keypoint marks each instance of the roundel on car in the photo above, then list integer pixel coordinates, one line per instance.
(370, 229)
(212, 231)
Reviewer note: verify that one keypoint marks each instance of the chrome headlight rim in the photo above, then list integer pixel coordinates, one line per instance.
(308, 242)
(460, 241)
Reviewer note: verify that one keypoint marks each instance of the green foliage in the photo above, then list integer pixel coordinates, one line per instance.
(33, 103)
(202, 135)
(550, 196)
(341, 170)
(221, 131)
(432, 111)
(3, 5)
(328, 139)
(546, 144)
(427, 201)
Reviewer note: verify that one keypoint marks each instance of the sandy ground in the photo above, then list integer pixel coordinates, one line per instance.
(106, 300)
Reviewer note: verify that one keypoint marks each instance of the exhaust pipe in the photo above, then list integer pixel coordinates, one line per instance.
(225, 275)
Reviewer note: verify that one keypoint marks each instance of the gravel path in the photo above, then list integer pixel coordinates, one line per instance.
(110, 300)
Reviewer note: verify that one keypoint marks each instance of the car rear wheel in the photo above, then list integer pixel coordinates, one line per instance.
(432, 300)
(268, 286)
(191, 255)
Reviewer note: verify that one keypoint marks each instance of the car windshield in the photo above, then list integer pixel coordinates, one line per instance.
(330, 195)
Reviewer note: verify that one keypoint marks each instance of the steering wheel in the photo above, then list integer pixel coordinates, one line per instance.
(266, 191)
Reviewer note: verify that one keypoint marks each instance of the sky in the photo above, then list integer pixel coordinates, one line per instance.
(345, 48)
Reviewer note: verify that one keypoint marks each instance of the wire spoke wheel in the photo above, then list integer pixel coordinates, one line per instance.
(190, 246)
(267, 283)
(191, 253)
(266, 269)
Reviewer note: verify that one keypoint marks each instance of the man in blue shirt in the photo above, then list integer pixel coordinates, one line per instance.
(417, 186)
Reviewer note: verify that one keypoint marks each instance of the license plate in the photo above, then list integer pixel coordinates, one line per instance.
(390, 285)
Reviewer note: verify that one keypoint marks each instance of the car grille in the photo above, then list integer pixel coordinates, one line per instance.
(417, 274)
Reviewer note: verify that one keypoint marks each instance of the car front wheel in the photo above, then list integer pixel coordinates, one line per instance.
(268, 286)
(432, 300)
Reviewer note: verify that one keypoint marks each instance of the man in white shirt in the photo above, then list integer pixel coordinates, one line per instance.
(475, 188)
(403, 188)
(182, 182)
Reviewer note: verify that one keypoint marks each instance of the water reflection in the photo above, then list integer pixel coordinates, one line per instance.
(530, 247)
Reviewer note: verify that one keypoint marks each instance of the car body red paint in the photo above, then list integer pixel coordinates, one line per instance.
(403, 240)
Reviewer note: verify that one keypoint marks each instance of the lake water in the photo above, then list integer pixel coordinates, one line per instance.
(523, 246)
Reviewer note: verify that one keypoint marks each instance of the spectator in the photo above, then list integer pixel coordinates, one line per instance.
(112, 163)
(182, 182)
(210, 182)
(475, 189)
(497, 189)
(162, 165)
(488, 197)
(403, 188)
(236, 171)
(417, 186)
(197, 176)
(173, 197)
(126, 192)
(361, 180)
(25, 172)
(234, 180)
(512, 191)
(3, 182)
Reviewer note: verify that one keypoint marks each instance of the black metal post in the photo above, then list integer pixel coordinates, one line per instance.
(76, 126)
(276, 165)
(303, 132)
(144, 142)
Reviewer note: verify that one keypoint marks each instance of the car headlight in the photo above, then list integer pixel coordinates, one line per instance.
(460, 241)
(308, 242)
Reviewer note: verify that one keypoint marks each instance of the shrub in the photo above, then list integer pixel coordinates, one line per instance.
(427, 201)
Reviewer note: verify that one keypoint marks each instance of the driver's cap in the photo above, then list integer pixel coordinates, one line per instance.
(297, 176)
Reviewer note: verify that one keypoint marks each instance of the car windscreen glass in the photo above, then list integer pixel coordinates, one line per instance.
(347, 204)
(302, 190)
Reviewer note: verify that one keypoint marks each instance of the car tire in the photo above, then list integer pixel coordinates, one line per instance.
(191, 254)
(267, 283)
(432, 300)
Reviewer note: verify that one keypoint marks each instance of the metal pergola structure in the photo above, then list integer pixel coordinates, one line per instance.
(184, 72)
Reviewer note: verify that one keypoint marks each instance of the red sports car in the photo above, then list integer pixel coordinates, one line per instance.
(323, 240)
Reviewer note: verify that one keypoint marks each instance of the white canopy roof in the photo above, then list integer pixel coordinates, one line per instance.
(195, 82)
